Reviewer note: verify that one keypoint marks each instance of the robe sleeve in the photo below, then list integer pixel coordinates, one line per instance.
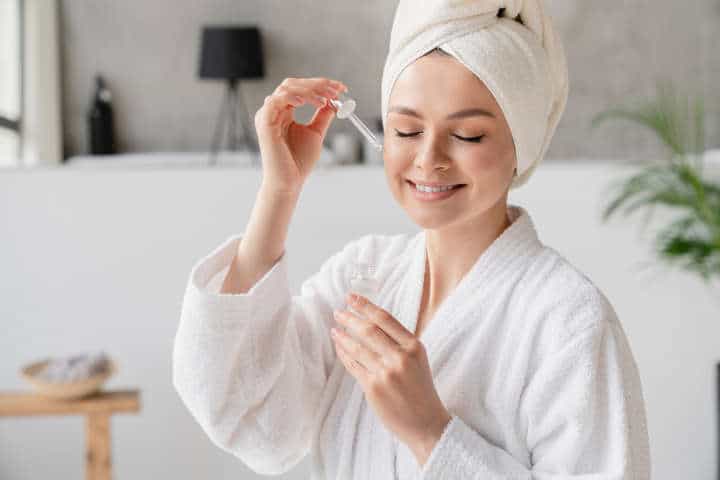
(585, 420)
(251, 367)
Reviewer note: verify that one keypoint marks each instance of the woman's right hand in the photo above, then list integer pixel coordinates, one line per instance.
(289, 150)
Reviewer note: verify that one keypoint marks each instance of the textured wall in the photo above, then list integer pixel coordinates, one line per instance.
(616, 49)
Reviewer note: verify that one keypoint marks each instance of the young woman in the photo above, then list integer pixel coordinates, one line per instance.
(484, 353)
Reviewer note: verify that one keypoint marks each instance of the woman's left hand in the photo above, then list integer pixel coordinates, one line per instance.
(392, 367)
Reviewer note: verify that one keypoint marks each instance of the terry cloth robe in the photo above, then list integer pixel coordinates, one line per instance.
(527, 355)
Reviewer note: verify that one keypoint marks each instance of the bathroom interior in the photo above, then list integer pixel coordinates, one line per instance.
(125, 156)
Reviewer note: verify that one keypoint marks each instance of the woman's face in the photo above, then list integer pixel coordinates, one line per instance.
(426, 142)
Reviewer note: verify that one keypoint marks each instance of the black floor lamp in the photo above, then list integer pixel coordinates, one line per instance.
(232, 53)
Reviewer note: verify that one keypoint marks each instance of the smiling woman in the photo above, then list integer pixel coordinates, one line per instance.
(454, 136)
(487, 354)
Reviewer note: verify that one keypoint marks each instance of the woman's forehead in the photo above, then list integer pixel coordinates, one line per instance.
(441, 83)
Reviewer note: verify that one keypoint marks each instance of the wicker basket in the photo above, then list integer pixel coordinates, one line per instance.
(66, 390)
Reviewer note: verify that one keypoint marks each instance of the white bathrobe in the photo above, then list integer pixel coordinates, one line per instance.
(527, 355)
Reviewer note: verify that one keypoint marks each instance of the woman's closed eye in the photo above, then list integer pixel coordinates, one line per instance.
(414, 134)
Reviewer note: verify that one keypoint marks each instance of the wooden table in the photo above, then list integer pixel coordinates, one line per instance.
(97, 410)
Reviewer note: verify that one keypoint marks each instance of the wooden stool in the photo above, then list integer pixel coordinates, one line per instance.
(97, 409)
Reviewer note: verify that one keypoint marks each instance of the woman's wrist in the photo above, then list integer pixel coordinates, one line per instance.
(268, 188)
(426, 443)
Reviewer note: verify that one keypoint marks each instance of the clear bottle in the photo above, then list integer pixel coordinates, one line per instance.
(363, 280)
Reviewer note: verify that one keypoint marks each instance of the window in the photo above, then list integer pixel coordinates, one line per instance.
(11, 90)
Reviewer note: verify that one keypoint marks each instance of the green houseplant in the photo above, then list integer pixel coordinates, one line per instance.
(692, 240)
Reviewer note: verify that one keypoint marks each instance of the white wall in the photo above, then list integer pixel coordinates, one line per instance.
(99, 258)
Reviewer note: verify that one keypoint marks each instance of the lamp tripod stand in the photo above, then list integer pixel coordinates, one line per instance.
(231, 107)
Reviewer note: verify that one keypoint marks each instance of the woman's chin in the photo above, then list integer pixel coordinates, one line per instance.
(431, 220)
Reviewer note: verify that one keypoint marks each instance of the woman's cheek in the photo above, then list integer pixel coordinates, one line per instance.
(394, 167)
(395, 153)
(488, 157)
(396, 144)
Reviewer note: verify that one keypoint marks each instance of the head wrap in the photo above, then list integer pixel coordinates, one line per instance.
(510, 45)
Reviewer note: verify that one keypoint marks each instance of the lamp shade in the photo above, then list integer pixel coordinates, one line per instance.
(231, 52)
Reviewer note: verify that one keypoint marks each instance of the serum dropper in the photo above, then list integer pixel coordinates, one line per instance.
(344, 107)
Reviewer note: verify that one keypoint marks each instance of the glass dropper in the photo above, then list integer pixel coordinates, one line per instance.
(344, 107)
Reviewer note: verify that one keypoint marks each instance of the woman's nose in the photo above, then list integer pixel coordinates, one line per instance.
(431, 154)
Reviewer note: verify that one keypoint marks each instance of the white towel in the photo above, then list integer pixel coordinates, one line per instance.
(510, 45)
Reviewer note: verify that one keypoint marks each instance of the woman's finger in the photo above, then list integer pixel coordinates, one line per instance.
(278, 103)
(294, 92)
(317, 83)
(289, 98)
(317, 97)
(313, 90)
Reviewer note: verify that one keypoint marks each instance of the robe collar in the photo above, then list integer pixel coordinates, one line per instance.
(506, 257)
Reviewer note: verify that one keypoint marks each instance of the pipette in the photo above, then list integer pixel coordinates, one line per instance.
(344, 107)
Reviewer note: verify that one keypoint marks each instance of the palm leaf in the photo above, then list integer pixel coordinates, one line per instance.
(678, 125)
(693, 241)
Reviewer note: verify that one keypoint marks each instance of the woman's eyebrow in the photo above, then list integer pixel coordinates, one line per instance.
(470, 112)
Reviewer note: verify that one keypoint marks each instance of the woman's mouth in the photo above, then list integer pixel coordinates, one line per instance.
(433, 196)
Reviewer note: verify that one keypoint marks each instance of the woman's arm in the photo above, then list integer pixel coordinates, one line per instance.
(251, 368)
(263, 241)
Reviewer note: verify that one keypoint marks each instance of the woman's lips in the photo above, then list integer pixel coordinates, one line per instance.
(433, 196)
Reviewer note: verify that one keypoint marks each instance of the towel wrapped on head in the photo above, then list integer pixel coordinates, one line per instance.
(510, 45)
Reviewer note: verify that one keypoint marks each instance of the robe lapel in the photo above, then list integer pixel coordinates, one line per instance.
(504, 258)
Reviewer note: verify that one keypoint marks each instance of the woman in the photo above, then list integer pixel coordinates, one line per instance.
(483, 353)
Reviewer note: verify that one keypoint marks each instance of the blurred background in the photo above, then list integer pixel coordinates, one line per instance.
(127, 153)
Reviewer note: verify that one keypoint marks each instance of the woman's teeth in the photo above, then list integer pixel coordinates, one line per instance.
(434, 189)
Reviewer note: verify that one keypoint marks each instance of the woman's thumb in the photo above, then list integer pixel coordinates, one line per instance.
(321, 120)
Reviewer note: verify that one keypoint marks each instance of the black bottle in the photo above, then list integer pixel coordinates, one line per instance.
(100, 121)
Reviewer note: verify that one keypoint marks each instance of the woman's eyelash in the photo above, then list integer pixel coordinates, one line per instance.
(471, 139)
(467, 139)
(404, 135)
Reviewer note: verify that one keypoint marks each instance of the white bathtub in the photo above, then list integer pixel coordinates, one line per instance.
(98, 258)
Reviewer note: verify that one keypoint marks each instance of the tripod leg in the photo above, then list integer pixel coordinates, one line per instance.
(233, 118)
(219, 124)
(248, 131)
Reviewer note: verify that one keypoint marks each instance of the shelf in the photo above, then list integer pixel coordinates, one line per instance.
(173, 160)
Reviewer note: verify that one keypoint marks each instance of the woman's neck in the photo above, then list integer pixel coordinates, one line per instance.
(451, 252)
